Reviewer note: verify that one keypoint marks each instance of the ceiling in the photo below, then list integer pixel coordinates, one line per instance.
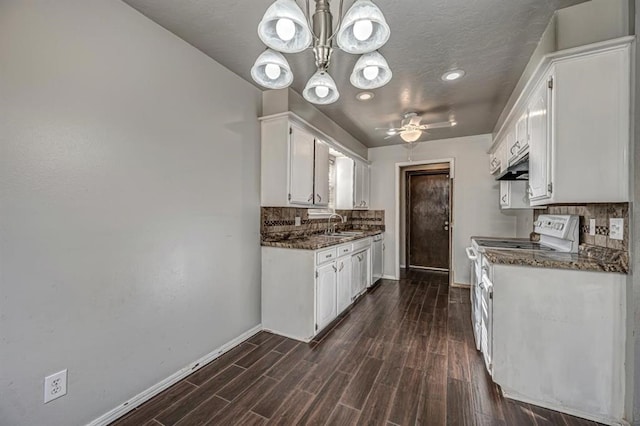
(492, 40)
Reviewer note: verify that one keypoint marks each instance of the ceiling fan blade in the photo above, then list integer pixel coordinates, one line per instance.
(390, 136)
(441, 125)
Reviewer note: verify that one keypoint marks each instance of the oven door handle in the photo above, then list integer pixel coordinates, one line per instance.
(471, 253)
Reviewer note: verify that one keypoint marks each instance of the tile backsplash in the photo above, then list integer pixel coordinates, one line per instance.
(601, 212)
(278, 223)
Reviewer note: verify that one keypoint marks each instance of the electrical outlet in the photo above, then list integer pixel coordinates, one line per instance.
(616, 229)
(55, 386)
(298, 221)
(592, 227)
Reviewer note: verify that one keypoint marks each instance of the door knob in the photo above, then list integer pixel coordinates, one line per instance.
(446, 228)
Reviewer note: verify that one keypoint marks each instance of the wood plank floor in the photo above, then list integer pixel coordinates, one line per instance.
(404, 355)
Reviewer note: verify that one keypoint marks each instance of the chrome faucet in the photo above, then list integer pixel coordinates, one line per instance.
(332, 228)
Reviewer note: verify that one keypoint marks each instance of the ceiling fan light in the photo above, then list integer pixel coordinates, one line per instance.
(272, 71)
(354, 37)
(411, 135)
(284, 27)
(318, 85)
(371, 71)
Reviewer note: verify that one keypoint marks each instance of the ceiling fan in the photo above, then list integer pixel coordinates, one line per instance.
(411, 130)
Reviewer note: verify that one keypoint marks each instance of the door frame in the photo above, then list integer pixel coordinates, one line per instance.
(407, 214)
(396, 231)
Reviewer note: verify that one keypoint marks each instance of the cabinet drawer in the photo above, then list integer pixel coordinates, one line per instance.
(364, 243)
(345, 249)
(326, 255)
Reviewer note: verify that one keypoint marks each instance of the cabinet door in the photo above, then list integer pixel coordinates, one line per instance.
(344, 183)
(326, 289)
(344, 283)
(505, 194)
(356, 275)
(366, 270)
(377, 261)
(522, 134)
(301, 149)
(540, 142)
(506, 145)
(361, 186)
(321, 178)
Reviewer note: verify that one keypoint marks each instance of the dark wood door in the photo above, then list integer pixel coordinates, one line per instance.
(428, 208)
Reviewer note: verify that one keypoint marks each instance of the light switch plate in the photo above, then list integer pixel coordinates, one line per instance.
(298, 221)
(592, 227)
(616, 229)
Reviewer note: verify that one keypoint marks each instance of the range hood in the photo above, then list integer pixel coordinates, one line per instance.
(517, 171)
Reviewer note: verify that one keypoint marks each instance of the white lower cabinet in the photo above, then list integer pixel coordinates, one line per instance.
(344, 283)
(326, 295)
(303, 291)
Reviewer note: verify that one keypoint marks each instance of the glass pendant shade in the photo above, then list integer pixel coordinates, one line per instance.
(284, 27)
(411, 136)
(363, 29)
(371, 71)
(272, 70)
(321, 89)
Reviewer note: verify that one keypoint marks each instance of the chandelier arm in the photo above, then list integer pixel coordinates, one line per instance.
(315, 37)
(339, 24)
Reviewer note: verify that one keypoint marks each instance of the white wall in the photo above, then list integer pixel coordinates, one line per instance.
(475, 194)
(129, 206)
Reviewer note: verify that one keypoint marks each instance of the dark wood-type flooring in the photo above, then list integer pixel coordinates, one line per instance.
(404, 355)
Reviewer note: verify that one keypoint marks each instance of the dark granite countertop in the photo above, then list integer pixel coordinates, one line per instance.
(317, 241)
(589, 258)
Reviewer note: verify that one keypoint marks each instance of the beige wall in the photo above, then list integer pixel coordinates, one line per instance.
(475, 194)
(129, 206)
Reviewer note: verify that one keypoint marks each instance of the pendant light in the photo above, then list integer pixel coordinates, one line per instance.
(363, 29)
(371, 71)
(272, 70)
(284, 27)
(321, 89)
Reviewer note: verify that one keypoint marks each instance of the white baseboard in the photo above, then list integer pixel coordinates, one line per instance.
(389, 277)
(557, 407)
(154, 390)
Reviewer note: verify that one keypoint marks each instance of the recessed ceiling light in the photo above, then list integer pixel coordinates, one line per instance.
(364, 96)
(453, 75)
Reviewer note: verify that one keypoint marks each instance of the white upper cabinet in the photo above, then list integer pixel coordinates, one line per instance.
(321, 179)
(539, 150)
(301, 180)
(344, 183)
(574, 119)
(520, 140)
(590, 127)
(295, 167)
(361, 186)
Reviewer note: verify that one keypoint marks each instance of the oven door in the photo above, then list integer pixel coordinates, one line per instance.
(476, 274)
(486, 331)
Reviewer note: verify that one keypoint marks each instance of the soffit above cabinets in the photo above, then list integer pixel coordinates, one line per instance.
(492, 40)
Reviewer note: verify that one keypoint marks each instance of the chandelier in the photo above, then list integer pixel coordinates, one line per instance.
(285, 29)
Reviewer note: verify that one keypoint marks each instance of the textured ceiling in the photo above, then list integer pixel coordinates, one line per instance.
(492, 40)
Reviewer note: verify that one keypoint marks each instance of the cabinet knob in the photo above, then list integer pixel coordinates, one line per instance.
(310, 199)
(319, 198)
(334, 268)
